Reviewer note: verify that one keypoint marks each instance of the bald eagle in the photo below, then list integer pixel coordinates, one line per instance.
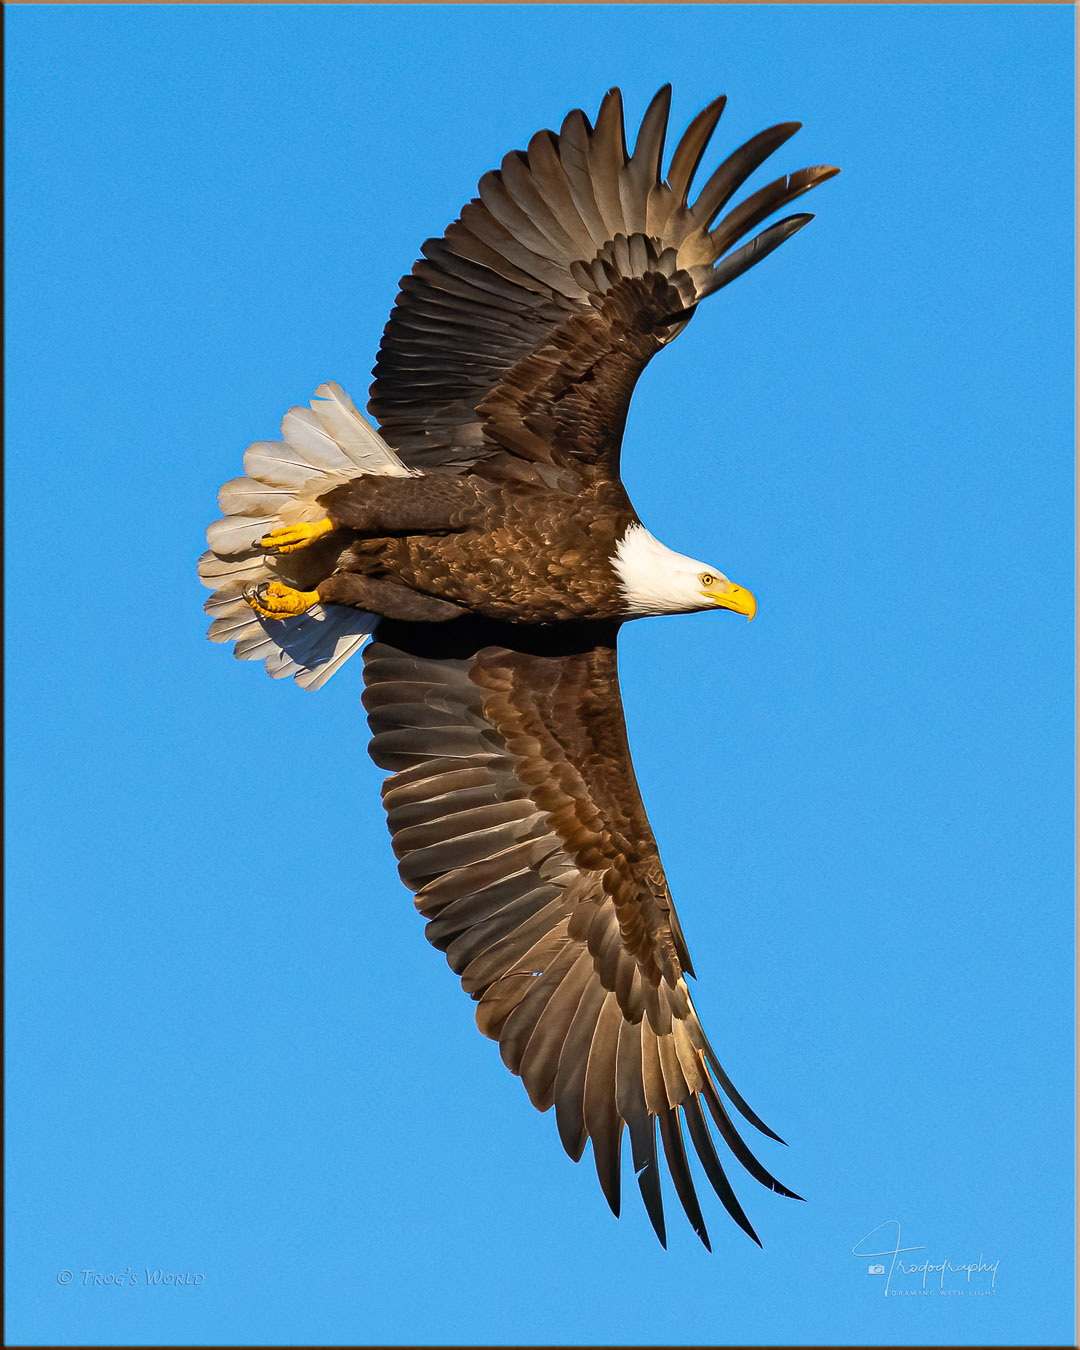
(483, 536)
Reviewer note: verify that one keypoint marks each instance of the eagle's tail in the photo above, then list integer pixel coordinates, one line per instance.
(328, 445)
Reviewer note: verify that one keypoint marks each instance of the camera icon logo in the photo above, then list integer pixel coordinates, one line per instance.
(876, 1270)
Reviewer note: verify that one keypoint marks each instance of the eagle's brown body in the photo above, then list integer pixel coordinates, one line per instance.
(487, 528)
(508, 550)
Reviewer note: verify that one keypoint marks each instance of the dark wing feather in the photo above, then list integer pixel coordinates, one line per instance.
(516, 818)
(521, 333)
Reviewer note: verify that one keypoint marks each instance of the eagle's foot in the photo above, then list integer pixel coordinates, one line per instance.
(274, 601)
(288, 538)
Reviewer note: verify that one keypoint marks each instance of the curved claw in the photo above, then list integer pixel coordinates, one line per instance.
(272, 600)
(288, 538)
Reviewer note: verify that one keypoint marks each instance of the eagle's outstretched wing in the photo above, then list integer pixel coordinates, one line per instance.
(519, 335)
(516, 817)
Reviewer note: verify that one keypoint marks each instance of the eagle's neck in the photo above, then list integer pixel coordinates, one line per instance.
(653, 578)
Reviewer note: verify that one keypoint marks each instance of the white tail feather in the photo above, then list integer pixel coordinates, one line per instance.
(276, 463)
(356, 437)
(232, 536)
(304, 433)
(324, 446)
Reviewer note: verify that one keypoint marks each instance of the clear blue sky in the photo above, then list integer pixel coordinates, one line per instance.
(232, 1054)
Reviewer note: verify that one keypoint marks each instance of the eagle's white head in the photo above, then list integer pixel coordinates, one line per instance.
(655, 580)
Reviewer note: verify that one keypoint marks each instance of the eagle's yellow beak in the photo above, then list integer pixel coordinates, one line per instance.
(738, 598)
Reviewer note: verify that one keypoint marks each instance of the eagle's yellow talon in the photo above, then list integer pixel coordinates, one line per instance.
(272, 600)
(288, 538)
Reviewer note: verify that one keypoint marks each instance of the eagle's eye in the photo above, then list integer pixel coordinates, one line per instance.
(706, 578)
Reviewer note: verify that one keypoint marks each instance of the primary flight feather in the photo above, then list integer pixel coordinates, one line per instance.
(484, 537)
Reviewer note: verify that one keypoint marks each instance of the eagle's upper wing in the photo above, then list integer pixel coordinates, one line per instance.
(519, 335)
(516, 818)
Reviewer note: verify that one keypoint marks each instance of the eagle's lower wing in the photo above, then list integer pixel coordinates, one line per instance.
(522, 331)
(516, 817)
